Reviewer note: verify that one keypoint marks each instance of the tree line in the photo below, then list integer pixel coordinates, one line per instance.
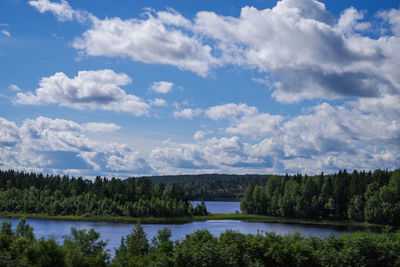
(85, 248)
(31, 193)
(359, 196)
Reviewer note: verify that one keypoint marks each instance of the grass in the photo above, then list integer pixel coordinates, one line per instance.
(181, 220)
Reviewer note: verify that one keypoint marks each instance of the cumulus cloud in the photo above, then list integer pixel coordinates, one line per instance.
(349, 21)
(214, 153)
(393, 17)
(245, 120)
(62, 10)
(61, 145)
(161, 87)
(387, 105)
(158, 102)
(128, 162)
(304, 51)
(161, 38)
(333, 138)
(89, 89)
(96, 127)
(199, 135)
(187, 113)
(149, 40)
(323, 138)
(8, 133)
(229, 111)
(256, 126)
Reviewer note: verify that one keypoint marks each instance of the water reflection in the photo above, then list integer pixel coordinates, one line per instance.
(223, 207)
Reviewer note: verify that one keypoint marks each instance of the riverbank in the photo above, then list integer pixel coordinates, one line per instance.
(182, 220)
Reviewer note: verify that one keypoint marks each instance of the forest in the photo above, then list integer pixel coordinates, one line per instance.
(373, 197)
(213, 187)
(83, 248)
(30, 193)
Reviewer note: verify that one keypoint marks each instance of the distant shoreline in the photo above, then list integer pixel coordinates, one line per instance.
(183, 220)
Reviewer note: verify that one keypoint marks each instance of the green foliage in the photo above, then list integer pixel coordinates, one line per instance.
(210, 187)
(134, 246)
(20, 248)
(24, 230)
(6, 228)
(30, 193)
(83, 248)
(360, 196)
(236, 249)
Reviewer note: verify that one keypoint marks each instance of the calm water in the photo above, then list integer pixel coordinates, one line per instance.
(114, 231)
(220, 206)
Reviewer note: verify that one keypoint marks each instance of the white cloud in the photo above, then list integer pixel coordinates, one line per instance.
(63, 145)
(161, 87)
(161, 38)
(304, 52)
(9, 135)
(324, 138)
(245, 120)
(101, 127)
(229, 111)
(62, 10)
(387, 105)
(14, 87)
(393, 17)
(199, 135)
(211, 153)
(187, 113)
(342, 137)
(256, 126)
(128, 162)
(6, 33)
(147, 40)
(348, 21)
(89, 89)
(158, 102)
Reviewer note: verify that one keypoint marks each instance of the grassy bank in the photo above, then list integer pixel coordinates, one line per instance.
(181, 220)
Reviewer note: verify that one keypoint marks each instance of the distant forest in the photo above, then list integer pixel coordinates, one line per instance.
(359, 196)
(209, 187)
(31, 193)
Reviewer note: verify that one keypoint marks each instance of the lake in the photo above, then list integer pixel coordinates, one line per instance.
(223, 207)
(114, 231)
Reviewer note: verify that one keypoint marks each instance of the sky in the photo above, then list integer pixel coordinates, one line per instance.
(128, 88)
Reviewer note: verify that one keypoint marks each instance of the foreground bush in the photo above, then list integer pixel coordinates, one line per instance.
(84, 248)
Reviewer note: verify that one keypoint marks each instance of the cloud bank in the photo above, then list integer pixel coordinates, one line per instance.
(304, 52)
(59, 146)
(299, 45)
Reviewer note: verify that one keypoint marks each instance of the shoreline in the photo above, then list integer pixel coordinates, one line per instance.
(214, 216)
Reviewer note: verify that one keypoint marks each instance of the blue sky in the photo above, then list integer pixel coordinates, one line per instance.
(125, 88)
